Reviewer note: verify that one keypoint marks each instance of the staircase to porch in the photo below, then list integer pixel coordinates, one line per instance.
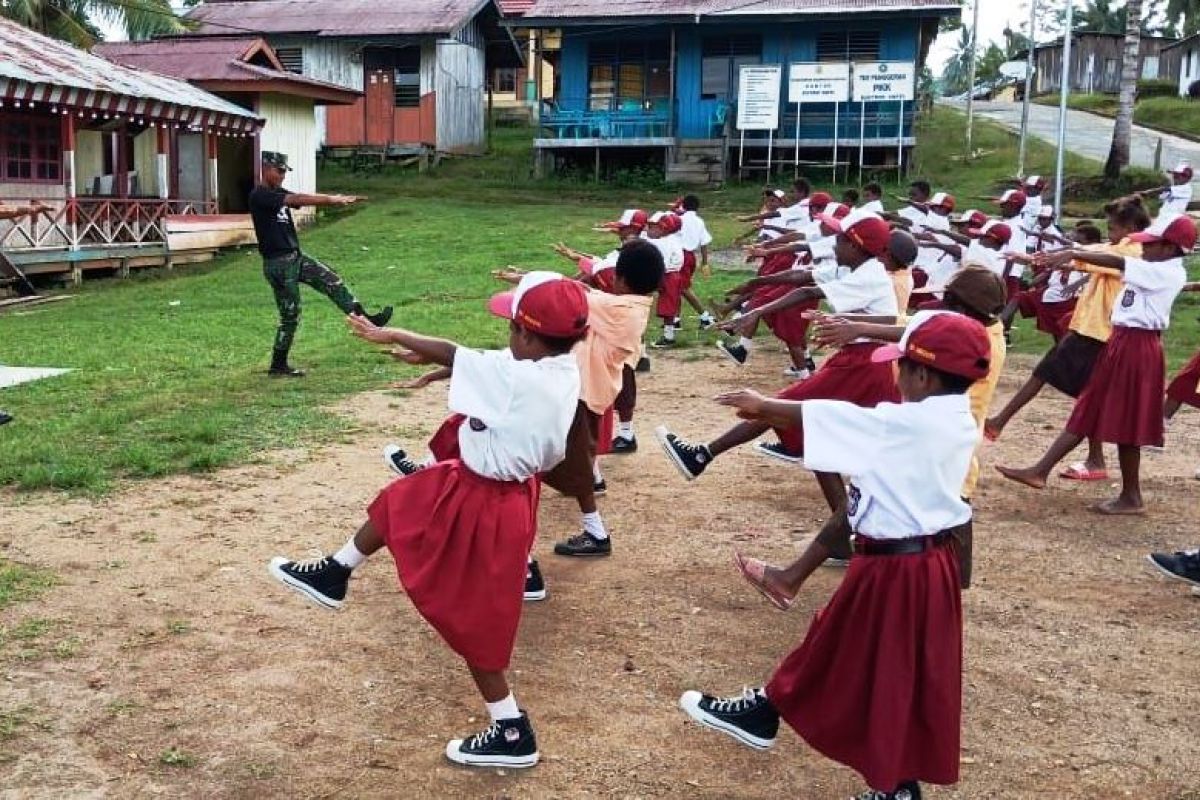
(697, 162)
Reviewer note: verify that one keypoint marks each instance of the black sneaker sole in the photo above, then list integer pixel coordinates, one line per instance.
(582, 553)
(507, 762)
(1170, 574)
(734, 732)
(660, 433)
(763, 450)
(721, 346)
(324, 601)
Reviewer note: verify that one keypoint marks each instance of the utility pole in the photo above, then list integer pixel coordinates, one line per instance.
(1028, 89)
(1063, 89)
(971, 82)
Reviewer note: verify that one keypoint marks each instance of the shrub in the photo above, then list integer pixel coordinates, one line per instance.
(1171, 114)
(1194, 90)
(1158, 87)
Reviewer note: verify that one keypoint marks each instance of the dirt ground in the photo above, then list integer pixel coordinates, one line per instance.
(173, 666)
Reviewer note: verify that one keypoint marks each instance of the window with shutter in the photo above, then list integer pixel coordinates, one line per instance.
(292, 59)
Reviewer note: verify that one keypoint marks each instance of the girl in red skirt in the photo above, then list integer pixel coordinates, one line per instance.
(877, 683)
(1122, 402)
(862, 287)
(460, 530)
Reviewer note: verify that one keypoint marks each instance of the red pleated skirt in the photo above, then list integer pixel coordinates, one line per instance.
(789, 325)
(1186, 386)
(1012, 286)
(847, 375)
(461, 542)
(670, 296)
(444, 443)
(689, 268)
(1123, 401)
(877, 683)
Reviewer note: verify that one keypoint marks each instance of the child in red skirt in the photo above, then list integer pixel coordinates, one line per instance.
(858, 285)
(877, 683)
(1122, 403)
(460, 530)
(663, 232)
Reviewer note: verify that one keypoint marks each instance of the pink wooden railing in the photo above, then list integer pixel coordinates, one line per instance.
(98, 222)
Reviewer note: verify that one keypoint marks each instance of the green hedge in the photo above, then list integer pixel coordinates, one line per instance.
(1156, 88)
(1171, 114)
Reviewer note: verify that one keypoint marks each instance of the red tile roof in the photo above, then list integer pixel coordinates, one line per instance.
(336, 17)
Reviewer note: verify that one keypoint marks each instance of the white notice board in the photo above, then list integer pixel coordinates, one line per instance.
(819, 83)
(884, 81)
(758, 97)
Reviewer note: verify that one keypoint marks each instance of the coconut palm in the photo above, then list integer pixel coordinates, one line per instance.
(1118, 154)
(75, 21)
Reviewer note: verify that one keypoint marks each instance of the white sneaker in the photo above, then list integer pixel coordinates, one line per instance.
(797, 374)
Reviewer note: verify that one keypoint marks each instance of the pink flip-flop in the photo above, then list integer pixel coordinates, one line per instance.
(754, 572)
(1079, 472)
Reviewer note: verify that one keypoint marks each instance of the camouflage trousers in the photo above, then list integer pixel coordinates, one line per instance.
(285, 274)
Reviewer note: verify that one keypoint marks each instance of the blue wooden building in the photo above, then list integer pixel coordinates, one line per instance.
(662, 76)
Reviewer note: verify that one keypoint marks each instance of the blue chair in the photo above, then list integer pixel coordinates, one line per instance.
(716, 125)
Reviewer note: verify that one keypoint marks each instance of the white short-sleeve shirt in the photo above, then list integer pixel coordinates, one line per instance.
(916, 216)
(1149, 291)
(796, 214)
(1029, 213)
(992, 259)
(873, 206)
(694, 233)
(865, 290)
(518, 411)
(1016, 244)
(672, 251)
(906, 461)
(1175, 200)
(928, 257)
(822, 248)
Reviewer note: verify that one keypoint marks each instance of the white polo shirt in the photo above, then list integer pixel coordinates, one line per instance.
(866, 290)
(822, 248)
(1175, 200)
(1017, 243)
(694, 233)
(1056, 286)
(916, 216)
(1029, 214)
(992, 259)
(797, 214)
(872, 206)
(928, 257)
(906, 461)
(1149, 291)
(672, 251)
(518, 411)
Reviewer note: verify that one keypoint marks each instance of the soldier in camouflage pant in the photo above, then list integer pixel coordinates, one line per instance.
(285, 276)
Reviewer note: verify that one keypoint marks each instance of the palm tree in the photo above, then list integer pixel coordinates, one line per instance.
(955, 76)
(75, 21)
(1118, 154)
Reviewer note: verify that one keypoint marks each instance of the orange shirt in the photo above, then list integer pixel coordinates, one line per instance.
(616, 324)
(981, 394)
(1093, 310)
(902, 283)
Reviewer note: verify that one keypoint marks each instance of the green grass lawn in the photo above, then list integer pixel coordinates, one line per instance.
(169, 366)
(1177, 115)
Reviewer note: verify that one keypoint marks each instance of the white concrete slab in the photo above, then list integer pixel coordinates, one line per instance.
(13, 376)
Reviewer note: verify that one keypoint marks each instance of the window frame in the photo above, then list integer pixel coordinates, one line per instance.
(499, 74)
(285, 55)
(44, 142)
(623, 59)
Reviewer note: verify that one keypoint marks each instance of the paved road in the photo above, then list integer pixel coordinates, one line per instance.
(1091, 135)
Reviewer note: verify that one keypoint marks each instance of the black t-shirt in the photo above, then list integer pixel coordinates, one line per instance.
(273, 222)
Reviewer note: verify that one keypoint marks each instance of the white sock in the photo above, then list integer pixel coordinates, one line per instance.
(350, 556)
(504, 709)
(597, 476)
(705, 315)
(669, 332)
(625, 430)
(746, 343)
(594, 526)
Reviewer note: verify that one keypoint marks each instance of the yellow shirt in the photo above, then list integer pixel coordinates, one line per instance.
(616, 323)
(1093, 310)
(902, 284)
(981, 394)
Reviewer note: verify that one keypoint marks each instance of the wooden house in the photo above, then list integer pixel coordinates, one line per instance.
(244, 70)
(1096, 62)
(662, 76)
(421, 65)
(1180, 62)
(120, 154)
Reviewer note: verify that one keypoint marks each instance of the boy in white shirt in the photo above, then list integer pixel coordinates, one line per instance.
(912, 215)
(662, 230)
(1122, 402)
(695, 239)
(1033, 188)
(1176, 196)
(460, 530)
(877, 682)
(872, 195)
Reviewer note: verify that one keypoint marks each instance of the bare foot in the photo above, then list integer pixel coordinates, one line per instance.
(1026, 476)
(1120, 506)
(992, 430)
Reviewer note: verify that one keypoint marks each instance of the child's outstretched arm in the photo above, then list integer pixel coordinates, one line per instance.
(421, 381)
(420, 349)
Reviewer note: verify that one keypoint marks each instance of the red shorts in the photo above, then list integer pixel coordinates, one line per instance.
(689, 268)
(670, 296)
(877, 683)
(1185, 388)
(1123, 401)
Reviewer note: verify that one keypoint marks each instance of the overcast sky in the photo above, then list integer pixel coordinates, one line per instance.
(994, 17)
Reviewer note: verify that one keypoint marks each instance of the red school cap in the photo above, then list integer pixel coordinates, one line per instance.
(945, 341)
(1013, 197)
(1179, 231)
(545, 303)
(667, 222)
(818, 200)
(865, 229)
(631, 218)
(995, 229)
(943, 200)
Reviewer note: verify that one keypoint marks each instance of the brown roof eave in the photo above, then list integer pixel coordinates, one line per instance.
(322, 95)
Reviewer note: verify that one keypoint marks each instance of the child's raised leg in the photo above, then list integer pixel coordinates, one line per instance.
(325, 580)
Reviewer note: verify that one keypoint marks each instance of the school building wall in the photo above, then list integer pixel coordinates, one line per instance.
(781, 44)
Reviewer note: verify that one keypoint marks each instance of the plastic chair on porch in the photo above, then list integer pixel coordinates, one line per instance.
(716, 124)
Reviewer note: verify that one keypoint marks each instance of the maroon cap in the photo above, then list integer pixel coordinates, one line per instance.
(631, 218)
(1013, 197)
(865, 229)
(947, 342)
(667, 222)
(545, 303)
(997, 230)
(1180, 231)
(819, 199)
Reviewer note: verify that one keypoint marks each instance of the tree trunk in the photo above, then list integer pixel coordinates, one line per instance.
(1118, 154)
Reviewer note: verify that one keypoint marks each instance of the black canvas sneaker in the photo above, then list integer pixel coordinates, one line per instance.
(535, 587)
(906, 791)
(378, 320)
(736, 352)
(643, 365)
(584, 544)
(399, 462)
(6, 418)
(707, 321)
(749, 717)
(321, 580)
(506, 743)
(1184, 565)
(600, 487)
(285, 371)
(689, 459)
(810, 365)
(623, 446)
(777, 451)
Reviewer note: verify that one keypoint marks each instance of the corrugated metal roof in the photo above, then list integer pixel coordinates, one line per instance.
(38, 69)
(336, 17)
(592, 9)
(213, 59)
(515, 8)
